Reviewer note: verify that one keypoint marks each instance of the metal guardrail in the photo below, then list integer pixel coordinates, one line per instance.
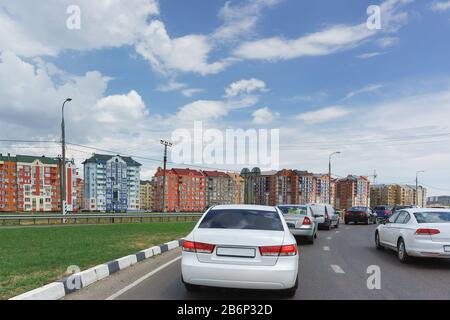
(96, 218)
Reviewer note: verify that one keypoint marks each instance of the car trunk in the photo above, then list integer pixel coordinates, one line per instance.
(238, 246)
(443, 235)
(294, 220)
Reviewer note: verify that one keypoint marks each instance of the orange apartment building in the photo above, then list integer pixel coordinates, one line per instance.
(185, 190)
(30, 183)
(352, 191)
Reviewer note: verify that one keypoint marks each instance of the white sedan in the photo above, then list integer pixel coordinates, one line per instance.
(242, 247)
(416, 233)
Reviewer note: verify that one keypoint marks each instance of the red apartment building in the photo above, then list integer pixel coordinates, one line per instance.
(352, 191)
(185, 190)
(30, 183)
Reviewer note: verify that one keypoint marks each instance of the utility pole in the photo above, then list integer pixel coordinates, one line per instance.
(63, 164)
(416, 198)
(165, 144)
(329, 175)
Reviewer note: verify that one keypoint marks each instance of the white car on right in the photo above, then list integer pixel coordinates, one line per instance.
(415, 232)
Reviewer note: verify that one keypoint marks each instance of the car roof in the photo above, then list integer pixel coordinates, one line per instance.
(243, 207)
(414, 210)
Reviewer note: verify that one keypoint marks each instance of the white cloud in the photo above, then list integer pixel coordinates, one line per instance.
(323, 115)
(245, 86)
(202, 110)
(386, 42)
(264, 116)
(186, 54)
(31, 28)
(172, 85)
(191, 91)
(441, 6)
(369, 55)
(240, 19)
(366, 89)
(330, 40)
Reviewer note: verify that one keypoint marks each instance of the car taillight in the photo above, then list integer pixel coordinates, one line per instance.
(427, 232)
(197, 247)
(286, 250)
(387, 212)
(307, 221)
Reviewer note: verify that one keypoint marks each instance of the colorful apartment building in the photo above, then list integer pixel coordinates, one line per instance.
(111, 183)
(286, 187)
(220, 189)
(238, 188)
(185, 191)
(352, 191)
(397, 194)
(80, 194)
(146, 195)
(32, 184)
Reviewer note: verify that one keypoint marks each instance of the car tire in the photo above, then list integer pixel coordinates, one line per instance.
(402, 255)
(310, 240)
(289, 293)
(191, 287)
(377, 241)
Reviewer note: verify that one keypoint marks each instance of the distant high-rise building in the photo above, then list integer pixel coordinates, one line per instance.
(111, 183)
(146, 195)
(32, 183)
(80, 193)
(439, 201)
(185, 191)
(352, 191)
(219, 188)
(238, 188)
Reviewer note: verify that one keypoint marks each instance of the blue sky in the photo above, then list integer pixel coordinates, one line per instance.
(139, 70)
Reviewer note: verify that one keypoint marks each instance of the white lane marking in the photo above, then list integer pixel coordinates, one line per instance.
(338, 232)
(138, 281)
(347, 228)
(329, 238)
(326, 248)
(337, 269)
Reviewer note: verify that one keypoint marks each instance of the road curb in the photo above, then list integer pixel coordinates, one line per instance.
(59, 289)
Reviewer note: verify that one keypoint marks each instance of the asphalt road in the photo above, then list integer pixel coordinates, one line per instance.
(334, 267)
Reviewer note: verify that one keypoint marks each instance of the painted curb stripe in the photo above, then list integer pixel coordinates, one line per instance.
(113, 266)
(164, 248)
(140, 256)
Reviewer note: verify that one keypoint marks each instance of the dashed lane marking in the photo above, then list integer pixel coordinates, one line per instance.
(326, 248)
(337, 269)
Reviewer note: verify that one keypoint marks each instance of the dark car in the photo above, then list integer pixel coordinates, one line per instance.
(397, 207)
(383, 212)
(360, 215)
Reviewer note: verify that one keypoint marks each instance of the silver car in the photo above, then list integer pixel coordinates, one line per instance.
(301, 221)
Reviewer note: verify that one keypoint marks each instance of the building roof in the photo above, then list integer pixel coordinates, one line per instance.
(96, 158)
(215, 174)
(187, 172)
(28, 159)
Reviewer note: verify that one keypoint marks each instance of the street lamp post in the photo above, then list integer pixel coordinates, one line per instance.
(165, 144)
(416, 200)
(329, 175)
(63, 163)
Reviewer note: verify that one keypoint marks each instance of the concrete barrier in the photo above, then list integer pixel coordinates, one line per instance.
(173, 244)
(51, 291)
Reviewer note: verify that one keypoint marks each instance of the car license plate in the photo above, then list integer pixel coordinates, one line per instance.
(236, 252)
(446, 248)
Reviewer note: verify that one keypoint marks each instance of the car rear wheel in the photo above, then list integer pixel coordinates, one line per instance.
(401, 252)
(377, 241)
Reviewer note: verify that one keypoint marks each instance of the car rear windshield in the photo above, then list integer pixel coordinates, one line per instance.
(357, 209)
(294, 209)
(432, 217)
(382, 208)
(242, 220)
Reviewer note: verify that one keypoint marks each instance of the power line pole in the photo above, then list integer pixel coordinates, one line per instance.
(416, 200)
(63, 165)
(165, 144)
(329, 175)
